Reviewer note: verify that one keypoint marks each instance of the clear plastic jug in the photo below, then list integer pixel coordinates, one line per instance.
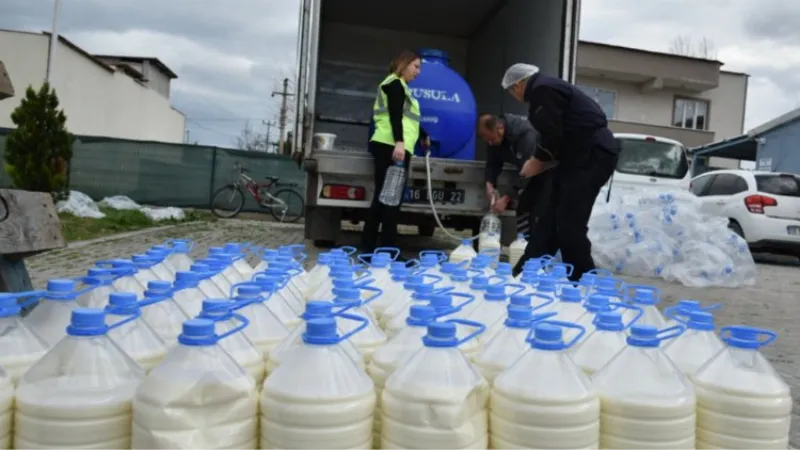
(598, 303)
(696, 345)
(417, 291)
(569, 305)
(216, 268)
(125, 279)
(493, 307)
(99, 283)
(206, 286)
(504, 272)
(295, 254)
(235, 344)
(509, 343)
(268, 256)
(79, 394)
(6, 408)
(144, 269)
(645, 400)
(601, 345)
(280, 307)
(742, 402)
(526, 300)
(287, 288)
(372, 337)
(442, 301)
(314, 310)
(316, 275)
(546, 287)
(238, 253)
(392, 292)
(437, 398)
(544, 397)
(20, 347)
(133, 334)
(395, 352)
(187, 294)
(331, 399)
(198, 397)
(337, 266)
(49, 319)
(516, 249)
(162, 313)
(265, 330)
(158, 254)
(647, 298)
(179, 259)
(678, 314)
(477, 288)
(613, 288)
(464, 252)
(229, 271)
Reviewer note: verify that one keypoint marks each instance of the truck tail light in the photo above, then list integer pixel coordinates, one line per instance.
(343, 192)
(756, 203)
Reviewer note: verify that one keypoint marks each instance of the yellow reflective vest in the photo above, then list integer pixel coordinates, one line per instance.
(380, 115)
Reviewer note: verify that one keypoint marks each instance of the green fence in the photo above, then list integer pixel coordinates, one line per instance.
(162, 174)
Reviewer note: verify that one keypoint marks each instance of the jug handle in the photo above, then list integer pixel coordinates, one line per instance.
(470, 298)
(411, 263)
(378, 292)
(628, 288)
(562, 324)
(130, 318)
(479, 329)
(395, 250)
(570, 268)
(348, 250)
(243, 322)
(726, 334)
(441, 256)
(639, 313)
(364, 322)
(548, 300)
(519, 288)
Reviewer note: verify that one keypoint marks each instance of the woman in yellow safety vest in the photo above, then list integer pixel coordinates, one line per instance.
(396, 115)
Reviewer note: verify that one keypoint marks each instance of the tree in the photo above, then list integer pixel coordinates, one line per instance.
(39, 150)
(684, 46)
(251, 140)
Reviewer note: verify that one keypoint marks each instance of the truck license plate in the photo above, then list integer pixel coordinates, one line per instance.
(420, 195)
(793, 231)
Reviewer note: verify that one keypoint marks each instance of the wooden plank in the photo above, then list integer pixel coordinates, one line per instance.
(29, 224)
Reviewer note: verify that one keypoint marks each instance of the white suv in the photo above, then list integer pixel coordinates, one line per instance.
(763, 207)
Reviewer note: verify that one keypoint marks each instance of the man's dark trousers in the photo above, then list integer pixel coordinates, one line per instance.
(564, 225)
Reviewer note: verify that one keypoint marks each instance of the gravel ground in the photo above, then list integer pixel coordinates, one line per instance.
(772, 303)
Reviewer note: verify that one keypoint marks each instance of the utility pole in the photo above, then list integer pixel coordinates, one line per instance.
(269, 125)
(51, 53)
(282, 120)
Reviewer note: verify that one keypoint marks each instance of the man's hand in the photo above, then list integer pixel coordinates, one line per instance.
(489, 191)
(501, 204)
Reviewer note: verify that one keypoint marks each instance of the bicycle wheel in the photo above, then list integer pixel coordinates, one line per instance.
(231, 201)
(288, 207)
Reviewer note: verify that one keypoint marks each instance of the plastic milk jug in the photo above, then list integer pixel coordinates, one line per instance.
(696, 345)
(20, 347)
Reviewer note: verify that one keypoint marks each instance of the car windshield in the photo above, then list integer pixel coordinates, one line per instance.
(785, 184)
(652, 158)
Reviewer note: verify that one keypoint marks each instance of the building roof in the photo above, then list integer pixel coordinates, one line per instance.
(650, 52)
(777, 122)
(139, 59)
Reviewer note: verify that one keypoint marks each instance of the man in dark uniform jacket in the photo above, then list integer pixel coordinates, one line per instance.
(575, 139)
(512, 139)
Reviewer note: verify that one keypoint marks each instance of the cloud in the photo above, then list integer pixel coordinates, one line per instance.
(231, 55)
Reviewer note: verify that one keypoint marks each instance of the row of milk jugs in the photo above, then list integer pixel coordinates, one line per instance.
(352, 303)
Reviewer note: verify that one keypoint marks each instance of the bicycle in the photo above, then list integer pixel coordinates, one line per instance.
(285, 205)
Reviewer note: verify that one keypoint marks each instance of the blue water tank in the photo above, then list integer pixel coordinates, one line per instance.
(448, 107)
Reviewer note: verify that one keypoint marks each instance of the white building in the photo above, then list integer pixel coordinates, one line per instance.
(119, 97)
(687, 99)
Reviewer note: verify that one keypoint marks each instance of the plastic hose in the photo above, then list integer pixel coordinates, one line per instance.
(433, 207)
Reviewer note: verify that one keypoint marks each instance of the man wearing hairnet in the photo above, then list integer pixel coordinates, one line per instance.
(577, 145)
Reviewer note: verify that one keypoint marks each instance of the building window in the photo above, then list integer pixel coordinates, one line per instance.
(690, 113)
(605, 98)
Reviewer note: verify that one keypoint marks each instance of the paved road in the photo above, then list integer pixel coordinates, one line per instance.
(773, 303)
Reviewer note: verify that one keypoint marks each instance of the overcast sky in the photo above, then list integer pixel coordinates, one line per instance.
(231, 55)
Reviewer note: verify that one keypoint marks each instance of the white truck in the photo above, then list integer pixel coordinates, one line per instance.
(344, 48)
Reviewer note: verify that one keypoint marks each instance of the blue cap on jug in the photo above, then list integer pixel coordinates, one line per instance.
(87, 322)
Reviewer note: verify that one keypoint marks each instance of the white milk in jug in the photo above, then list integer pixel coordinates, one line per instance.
(20, 347)
(198, 397)
(6, 411)
(646, 298)
(318, 397)
(437, 398)
(51, 316)
(186, 293)
(544, 398)
(235, 344)
(645, 400)
(161, 312)
(98, 283)
(265, 330)
(602, 344)
(742, 402)
(179, 259)
(370, 338)
(79, 394)
(463, 252)
(696, 345)
(131, 333)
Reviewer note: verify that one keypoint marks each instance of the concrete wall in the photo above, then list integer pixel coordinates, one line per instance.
(96, 100)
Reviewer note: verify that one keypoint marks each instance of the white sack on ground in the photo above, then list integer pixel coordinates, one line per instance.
(121, 202)
(80, 205)
(665, 234)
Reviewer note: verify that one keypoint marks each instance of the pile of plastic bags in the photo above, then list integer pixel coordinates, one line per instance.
(665, 234)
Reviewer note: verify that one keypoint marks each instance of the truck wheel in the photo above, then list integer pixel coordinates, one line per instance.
(426, 230)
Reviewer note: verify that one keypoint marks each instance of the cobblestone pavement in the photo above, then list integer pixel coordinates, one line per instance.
(773, 303)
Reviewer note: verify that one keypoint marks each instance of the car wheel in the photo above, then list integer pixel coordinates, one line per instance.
(736, 228)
